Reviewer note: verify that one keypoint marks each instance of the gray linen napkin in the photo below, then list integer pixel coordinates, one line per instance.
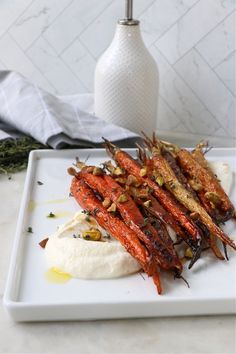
(58, 121)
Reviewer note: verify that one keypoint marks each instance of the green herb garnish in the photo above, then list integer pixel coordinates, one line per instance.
(30, 230)
(95, 211)
(14, 153)
(51, 215)
(148, 232)
(145, 221)
(86, 212)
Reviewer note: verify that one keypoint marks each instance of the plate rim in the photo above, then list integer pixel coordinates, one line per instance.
(14, 306)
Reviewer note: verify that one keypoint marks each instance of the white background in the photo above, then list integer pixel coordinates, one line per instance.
(56, 44)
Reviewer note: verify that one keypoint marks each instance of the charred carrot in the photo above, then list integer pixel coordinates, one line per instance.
(110, 189)
(87, 200)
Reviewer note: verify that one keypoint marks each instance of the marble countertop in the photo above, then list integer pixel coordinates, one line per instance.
(192, 335)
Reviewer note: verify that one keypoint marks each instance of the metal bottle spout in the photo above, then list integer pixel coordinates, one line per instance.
(128, 20)
(129, 10)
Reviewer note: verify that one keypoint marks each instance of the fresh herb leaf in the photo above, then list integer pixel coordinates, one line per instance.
(148, 232)
(95, 211)
(14, 154)
(86, 212)
(145, 221)
(51, 215)
(30, 230)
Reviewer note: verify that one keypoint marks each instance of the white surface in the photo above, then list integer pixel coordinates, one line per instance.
(219, 101)
(177, 42)
(126, 82)
(29, 296)
(57, 46)
(189, 335)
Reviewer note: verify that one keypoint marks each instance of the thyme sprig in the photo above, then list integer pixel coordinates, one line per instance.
(14, 153)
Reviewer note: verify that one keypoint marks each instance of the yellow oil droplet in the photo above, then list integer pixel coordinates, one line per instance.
(63, 214)
(55, 275)
(56, 201)
(32, 205)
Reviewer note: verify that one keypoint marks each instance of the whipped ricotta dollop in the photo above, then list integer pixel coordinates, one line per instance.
(67, 251)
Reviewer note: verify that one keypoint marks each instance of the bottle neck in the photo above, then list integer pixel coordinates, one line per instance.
(126, 35)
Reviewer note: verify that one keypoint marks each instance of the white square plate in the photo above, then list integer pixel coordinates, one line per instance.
(29, 296)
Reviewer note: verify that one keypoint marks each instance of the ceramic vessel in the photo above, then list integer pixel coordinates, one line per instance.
(127, 80)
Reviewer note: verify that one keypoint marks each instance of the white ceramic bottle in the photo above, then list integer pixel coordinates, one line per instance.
(126, 79)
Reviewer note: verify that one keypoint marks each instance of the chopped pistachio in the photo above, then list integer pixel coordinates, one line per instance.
(183, 260)
(121, 180)
(106, 203)
(112, 208)
(188, 253)
(118, 171)
(148, 203)
(92, 235)
(131, 180)
(122, 198)
(97, 171)
(160, 180)
(143, 171)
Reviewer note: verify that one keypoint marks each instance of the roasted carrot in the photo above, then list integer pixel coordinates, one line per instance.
(116, 227)
(133, 167)
(107, 187)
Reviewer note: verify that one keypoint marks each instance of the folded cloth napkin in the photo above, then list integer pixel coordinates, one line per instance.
(58, 121)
